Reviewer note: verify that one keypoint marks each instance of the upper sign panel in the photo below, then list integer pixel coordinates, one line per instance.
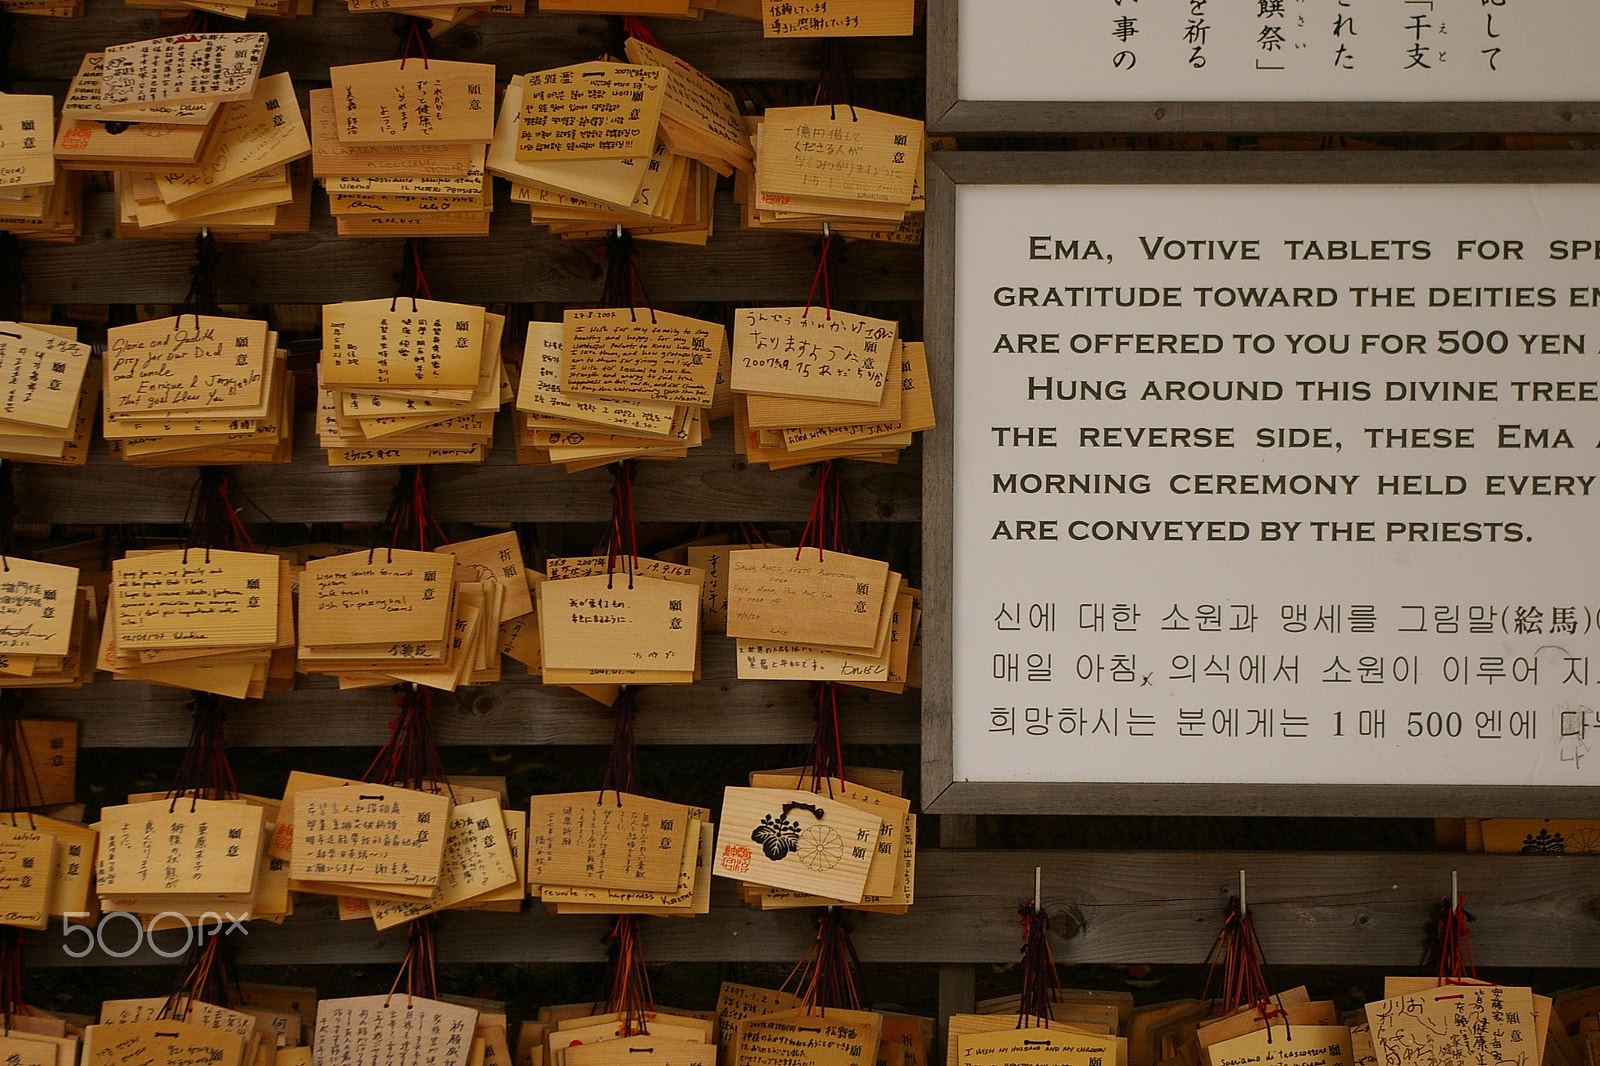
(1261, 65)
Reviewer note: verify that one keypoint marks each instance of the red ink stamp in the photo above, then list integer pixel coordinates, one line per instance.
(736, 858)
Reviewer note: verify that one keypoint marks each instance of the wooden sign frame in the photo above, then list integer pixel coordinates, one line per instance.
(941, 792)
(948, 112)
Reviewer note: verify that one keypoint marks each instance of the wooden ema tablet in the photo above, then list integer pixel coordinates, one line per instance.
(384, 595)
(796, 840)
(812, 353)
(1249, 1019)
(573, 899)
(1533, 836)
(465, 183)
(1443, 1024)
(615, 182)
(639, 354)
(540, 390)
(189, 847)
(618, 622)
(196, 598)
(1543, 1006)
(1312, 1045)
(838, 18)
(497, 559)
(1033, 1046)
(679, 8)
(72, 884)
(52, 747)
(411, 102)
(602, 1029)
(642, 1051)
(736, 1002)
(333, 158)
(905, 626)
(184, 363)
(832, 1037)
(27, 141)
(160, 1043)
(786, 412)
(892, 810)
(21, 1050)
(254, 135)
(395, 1030)
(591, 566)
(477, 859)
(803, 595)
(606, 840)
(370, 834)
(693, 102)
(195, 1012)
(403, 343)
(590, 111)
(85, 101)
(896, 901)
(36, 608)
(27, 875)
(192, 66)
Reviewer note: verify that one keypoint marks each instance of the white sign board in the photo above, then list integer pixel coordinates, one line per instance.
(1278, 50)
(1285, 484)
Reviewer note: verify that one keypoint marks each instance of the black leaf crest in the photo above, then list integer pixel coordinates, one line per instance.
(777, 836)
(1545, 843)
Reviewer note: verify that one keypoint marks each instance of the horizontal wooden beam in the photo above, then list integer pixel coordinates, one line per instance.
(725, 48)
(515, 263)
(1354, 909)
(712, 484)
(720, 709)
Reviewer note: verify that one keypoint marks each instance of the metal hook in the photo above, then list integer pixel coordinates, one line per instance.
(1244, 902)
(1037, 877)
(1455, 893)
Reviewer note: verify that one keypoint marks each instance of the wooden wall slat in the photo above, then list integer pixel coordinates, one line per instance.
(1355, 909)
(711, 484)
(515, 264)
(726, 48)
(720, 709)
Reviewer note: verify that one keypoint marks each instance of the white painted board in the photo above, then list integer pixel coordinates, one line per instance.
(1354, 603)
(1278, 50)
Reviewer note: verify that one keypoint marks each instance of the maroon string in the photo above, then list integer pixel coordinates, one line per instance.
(630, 995)
(829, 525)
(415, 45)
(410, 757)
(622, 540)
(1244, 979)
(205, 975)
(212, 519)
(1038, 969)
(633, 26)
(19, 777)
(825, 977)
(11, 997)
(822, 277)
(622, 762)
(1448, 945)
(204, 772)
(624, 285)
(409, 522)
(825, 760)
